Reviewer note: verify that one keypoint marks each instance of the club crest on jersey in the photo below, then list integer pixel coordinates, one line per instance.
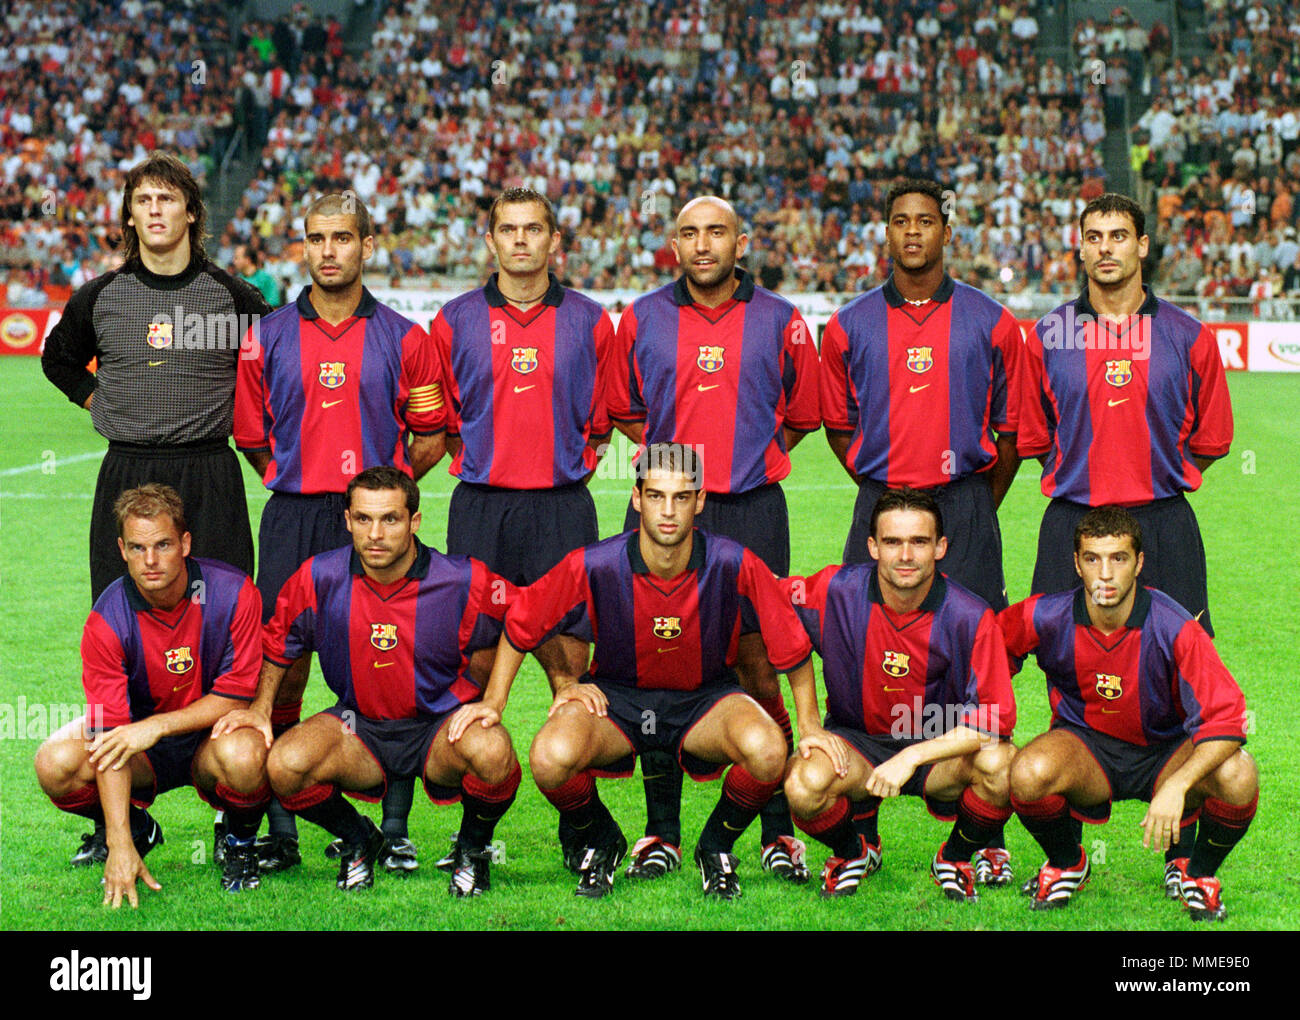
(383, 636)
(1109, 686)
(159, 335)
(333, 374)
(896, 663)
(179, 660)
(711, 359)
(523, 359)
(920, 359)
(1118, 373)
(668, 627)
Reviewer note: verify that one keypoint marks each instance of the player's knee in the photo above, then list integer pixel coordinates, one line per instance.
(491, 757)
(288, 765)
(1032, 775)
(1237, 779)
(553, 758)
(992, 772)
(763, 752)
(240, 759)
(808, 783)
(58, 764)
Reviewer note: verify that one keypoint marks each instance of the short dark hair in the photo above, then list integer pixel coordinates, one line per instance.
(345, 204)
(1108, 522)
(907, 498)
(678, 458)
(148, 502)
(915, 186)
(377, 479)
(164, 168)
(1113, 202)
(518, 196)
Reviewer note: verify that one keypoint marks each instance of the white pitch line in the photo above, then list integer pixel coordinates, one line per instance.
(76, 458)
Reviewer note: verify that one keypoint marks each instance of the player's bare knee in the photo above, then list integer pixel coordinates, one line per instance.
(491, 757)
(240, 759)
(553, 758)
(809, 782)
(61, 766)
(992, 772)
(288, 765)
(763, 752)
(1032, 775)
(1237, 779)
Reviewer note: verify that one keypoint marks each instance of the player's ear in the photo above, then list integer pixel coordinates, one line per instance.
(1078, 569)
(742, 245)
(121, 547)
(676, 254)
(1138, 569)
(367, 248)
(415, 521)
(700, 496)
(636, 498)
(941, 548)
(872, 547)
(186, 542)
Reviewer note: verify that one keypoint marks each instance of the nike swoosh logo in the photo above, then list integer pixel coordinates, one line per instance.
(330, 403)
(380, 665)
(917, 389)
(183, 686)
(662, 650)
(1116, 403)
(732, 828)
(155, 364)
(520, 389)
(705, 389)
(893, 688)
(1110, 711)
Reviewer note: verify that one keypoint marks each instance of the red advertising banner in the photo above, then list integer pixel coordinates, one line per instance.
(23, 330)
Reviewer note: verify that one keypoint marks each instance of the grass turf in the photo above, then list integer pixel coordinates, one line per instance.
(48, 463)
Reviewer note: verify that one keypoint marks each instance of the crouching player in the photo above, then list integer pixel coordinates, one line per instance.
(917, 685)
(1142, 708)
(168, 650)
(394, 624)
(662, 606)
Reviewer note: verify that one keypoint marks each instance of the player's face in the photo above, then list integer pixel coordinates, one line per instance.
(708, 243)
(155, 553)
(335, 251)
(159, 216)
(1109, 569)
(916, 233)
(905, 549)
(382, 528)
(521, 241)
(667, 502)
(1111, 250)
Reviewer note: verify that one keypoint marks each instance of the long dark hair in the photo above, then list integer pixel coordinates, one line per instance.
(164, 168)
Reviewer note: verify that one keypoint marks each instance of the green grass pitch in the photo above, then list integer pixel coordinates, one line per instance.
(48, 462)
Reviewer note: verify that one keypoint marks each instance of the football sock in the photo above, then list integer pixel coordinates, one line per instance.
(742, 798)
(775, 815)
(483, 804)
(397, 806)
(243, 811)
(83, 801)
(580, 805)
(1186, 839)
(977, 820)
(280, 822)
(1222, 825)
(865, 815)
(663, 796)
(834, 827)
(1049, 821)
(324, 805)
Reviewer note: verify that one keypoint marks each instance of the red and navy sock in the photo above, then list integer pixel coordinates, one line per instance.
(834, 828)
(324, 805)
(580, 806)
(1048, 820)
(1222, 826)
(977, 822)
(1186, 838)
(483, 804)
(775, 814)
(243, 810)
(83, 801)
(742, 798)
(662, 777)
(866, 814)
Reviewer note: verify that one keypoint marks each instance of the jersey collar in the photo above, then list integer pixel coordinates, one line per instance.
(554, 295)
(419, 569)
(745, 291)
(639, 564)
(364, 310)
(193, 587)
(896, 300)
(931, 603)
(1137, 616)
(156, 282)
(1149, 305)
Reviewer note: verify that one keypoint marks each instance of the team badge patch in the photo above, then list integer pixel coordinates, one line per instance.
(179, 660)
(333, 374)
(1109, 686)
(668, 627)
(711, 359)
(523, 359)
(896, 663)
(1118, 373)
(160, 335)
(383, 636)
(920, 359)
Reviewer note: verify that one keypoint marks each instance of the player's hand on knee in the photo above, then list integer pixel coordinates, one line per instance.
(244, 718)
(889, 777)
(121, 870)
(114, 749)
(832, 746)
(467, 715)
(591, 697)
(1161, 823)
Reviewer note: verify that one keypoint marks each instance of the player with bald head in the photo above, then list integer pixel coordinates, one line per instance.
(729, 368)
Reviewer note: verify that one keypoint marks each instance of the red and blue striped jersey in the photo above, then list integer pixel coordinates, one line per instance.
(139, 661)
(909, 676)
(921, 388)
(677, 634)
(723, 380)
(390, 651)
(330, 401)
(527, 388)
(1158, 678)
(1121, 413)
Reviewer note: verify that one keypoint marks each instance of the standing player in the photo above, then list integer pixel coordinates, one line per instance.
(730, 369)
(337, 385)
(166, 331)
(1142, 708)
(663, 608)
(916, 376)
(167, 651)
(917, 685)
(1126, 403)
(395, 624)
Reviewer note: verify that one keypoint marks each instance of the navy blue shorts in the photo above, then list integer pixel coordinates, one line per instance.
(294, 529)
(520, 533)
(1130, 769)
(878, 750)
(660, 720)
(974, 557)
(400, 747)
(172, 761)
(1173, 555)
